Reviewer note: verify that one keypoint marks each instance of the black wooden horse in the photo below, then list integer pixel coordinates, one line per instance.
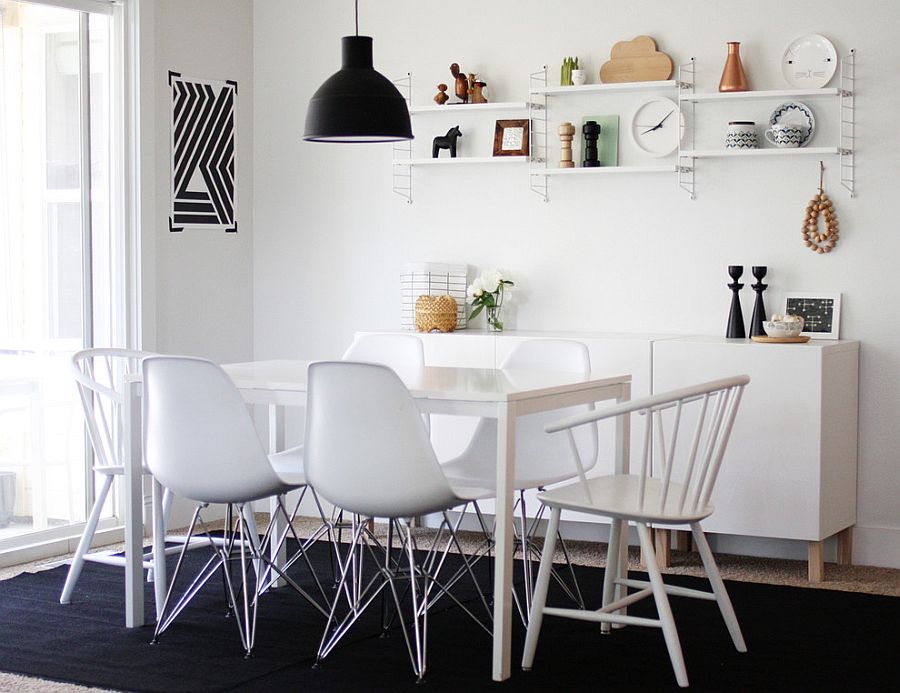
(447, 141)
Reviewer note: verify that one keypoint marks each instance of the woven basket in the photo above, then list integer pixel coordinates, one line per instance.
(436, 313)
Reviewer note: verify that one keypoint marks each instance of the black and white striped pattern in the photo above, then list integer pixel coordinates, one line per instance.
(202, 146)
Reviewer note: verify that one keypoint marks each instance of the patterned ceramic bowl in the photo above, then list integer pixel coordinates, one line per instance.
(781, 328)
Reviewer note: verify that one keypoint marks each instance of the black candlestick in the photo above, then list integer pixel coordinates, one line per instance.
(735, 316)
(759, 307)
(591, 132)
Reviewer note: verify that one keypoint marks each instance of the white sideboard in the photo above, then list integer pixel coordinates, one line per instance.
(790, 471)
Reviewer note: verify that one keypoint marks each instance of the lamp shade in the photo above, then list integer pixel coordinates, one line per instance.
(357, 104)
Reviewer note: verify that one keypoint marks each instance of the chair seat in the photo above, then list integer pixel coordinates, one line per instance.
(617, 495)
(472, 471)
(114, 469)
(288, 465)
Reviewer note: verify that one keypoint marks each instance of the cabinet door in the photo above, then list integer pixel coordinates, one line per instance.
(769, 482)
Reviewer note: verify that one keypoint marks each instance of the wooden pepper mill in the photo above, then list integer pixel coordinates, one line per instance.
(566, 134)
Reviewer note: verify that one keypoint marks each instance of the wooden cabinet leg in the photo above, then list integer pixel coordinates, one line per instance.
(683, 541)
(663, 545)
(845, 547)
(816, 561)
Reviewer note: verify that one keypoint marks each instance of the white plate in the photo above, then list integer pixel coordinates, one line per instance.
(809, 62)
(795, 113)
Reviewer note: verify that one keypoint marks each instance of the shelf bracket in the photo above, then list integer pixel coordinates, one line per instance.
(847, 123)
(401, 177)
(687, 73)
(538, 151)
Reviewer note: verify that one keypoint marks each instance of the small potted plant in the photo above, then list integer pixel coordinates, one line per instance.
(486, 293)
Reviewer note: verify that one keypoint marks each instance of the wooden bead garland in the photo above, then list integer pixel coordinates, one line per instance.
(820, 240)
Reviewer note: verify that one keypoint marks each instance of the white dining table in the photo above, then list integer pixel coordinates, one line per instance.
(501, 394)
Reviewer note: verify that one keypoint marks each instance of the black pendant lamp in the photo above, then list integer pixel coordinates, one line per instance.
(357, 104)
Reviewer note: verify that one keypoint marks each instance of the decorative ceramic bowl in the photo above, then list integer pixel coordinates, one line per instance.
(784, 328)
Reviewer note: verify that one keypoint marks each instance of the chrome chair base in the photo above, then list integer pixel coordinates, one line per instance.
(256, 568)
(400, 576)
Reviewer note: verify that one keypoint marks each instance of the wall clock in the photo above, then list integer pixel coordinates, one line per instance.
(657, 126)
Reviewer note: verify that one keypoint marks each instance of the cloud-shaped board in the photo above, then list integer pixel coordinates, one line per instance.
(637, 60)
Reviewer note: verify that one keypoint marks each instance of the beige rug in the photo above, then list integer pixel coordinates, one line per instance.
(771, 571)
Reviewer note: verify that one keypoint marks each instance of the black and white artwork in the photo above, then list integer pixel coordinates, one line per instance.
(202, 150)
(821, 313)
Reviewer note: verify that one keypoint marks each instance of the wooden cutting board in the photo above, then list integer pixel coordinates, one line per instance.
(637, 60)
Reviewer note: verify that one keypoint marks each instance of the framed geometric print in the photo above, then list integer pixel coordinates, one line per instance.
(821, 313)
(202, 180)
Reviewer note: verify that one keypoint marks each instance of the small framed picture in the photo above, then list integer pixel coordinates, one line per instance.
(511, 138)
(821, 313)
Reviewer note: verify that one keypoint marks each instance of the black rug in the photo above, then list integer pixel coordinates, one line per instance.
(798, 639)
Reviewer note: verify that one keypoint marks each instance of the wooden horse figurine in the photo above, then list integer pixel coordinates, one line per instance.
(447, 141)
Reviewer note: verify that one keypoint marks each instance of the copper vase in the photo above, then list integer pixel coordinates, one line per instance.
(733, 77)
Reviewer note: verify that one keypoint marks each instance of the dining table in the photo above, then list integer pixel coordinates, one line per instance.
(501, 394)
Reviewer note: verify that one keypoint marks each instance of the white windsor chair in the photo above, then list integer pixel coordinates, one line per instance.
(673, 487)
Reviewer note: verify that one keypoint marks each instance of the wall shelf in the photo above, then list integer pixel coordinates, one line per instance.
(761, 95)
(601, 88)
(600, 170)
(461, 161)
(469, 107)
(750, 153)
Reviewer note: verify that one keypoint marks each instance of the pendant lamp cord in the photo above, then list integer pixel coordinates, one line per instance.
(357, 16)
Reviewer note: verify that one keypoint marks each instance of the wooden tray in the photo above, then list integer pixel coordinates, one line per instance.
(780, 340)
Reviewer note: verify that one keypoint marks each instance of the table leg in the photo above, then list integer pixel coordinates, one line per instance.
(622, 464)
(160, 582)
(134, 507)
(503, 537)
(276, 443)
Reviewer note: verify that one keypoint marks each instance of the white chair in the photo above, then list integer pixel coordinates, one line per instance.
(541, 460)
(678, 471)
(200, 442)
(100, 375)
(402, 353)
(368, 452)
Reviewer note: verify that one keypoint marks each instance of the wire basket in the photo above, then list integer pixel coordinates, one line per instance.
(432, 279)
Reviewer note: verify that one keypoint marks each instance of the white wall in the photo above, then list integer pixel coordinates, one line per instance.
(198, 284)
(624, 253)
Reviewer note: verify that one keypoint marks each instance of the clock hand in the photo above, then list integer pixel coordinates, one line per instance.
(659, 124)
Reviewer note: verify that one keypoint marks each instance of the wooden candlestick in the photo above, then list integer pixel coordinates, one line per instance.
(566, 134)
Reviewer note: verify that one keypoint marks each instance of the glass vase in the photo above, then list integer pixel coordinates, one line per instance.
(493, 319)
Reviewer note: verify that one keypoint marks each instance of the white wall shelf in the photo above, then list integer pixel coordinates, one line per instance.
(601, 170)
(745, 153)
(762, 95)
(846, 133)
(539, 108)
(470, 107)
(462, 161)
(601, 88)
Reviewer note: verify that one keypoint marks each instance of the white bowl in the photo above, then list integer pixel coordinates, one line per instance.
(777, 328)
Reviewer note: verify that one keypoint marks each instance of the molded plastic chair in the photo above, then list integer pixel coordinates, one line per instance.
(541, 460)
(200, 442)
(678, 471)
(368, 452)
(100, 375)
(402, 353)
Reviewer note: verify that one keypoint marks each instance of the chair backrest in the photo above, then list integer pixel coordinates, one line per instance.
(402, 353)
(199, 438)
(564, 355)
(100, 377)
(685, 435)
(367, 449)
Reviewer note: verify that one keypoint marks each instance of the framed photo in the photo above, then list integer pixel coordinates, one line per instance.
(511, 138)
(821, 313)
